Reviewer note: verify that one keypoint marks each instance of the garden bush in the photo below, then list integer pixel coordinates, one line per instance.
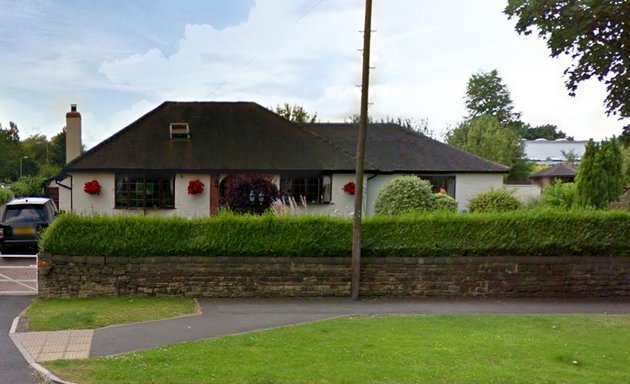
(495, 200)
(445, 203)
(559, 195)
(545, 232)
(405, 194)
(28, 186)
(238, 190)
(5, 195)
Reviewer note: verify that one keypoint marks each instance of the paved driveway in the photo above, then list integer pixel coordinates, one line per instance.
(18, 275)
(13, 367)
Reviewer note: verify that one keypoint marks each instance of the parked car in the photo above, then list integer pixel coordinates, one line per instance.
(22, 221)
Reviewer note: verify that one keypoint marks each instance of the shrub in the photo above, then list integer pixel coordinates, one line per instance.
(5, 195)
(238, 191)
(445, 203)
(405, 194)
(559, 195)
(495, 200)
(599, 180)
(28, 186)
(544, 233)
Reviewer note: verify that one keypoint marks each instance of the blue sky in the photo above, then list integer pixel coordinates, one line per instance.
(119, 59)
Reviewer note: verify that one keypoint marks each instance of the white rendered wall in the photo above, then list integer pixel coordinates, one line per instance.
(190, 205)
(86, 204)
(526, 193)
(468, 185)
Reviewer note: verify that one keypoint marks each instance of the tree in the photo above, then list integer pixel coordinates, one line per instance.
(10, 148)
(596, 34)
(599, 180)
(57, 149)
(485, 136)
(295, 113)
(545, 131)
(36, 148)
(420, 125)
(487, 95)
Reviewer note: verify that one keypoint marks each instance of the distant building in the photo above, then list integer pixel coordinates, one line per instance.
(552, 152)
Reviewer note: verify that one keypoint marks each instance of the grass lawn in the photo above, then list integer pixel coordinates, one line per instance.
(394, 349)
(59, 314)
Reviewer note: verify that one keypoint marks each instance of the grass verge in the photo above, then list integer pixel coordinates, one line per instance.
(61, 314)
(395, 349)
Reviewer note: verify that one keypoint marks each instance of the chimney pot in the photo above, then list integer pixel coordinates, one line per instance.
(73, 107)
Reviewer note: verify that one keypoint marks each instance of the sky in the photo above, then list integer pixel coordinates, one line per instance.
(119, 59)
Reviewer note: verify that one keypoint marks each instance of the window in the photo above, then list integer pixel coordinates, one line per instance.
(145, 191)
(179, 131)
(315, 190)
(441, 183)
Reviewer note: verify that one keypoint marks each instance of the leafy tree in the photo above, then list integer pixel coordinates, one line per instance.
(546, 131)
(599, 179)
(10, 150)
(57, 149)
(36, 147)
(405, 194)
(295, 113)
(487, 95)
(485, 136)
(28, 186)
(596, 34)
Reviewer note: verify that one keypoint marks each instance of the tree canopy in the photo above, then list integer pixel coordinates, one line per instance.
(487, 137)
(595, 34)
(295, 113)
(487, 95)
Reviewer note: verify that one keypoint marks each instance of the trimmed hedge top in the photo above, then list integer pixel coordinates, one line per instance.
(598, 233)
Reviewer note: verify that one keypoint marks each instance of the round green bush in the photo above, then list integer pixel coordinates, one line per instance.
(445, 203)
(5, 195)
(405, 194)
(495, 200)
(559, 195)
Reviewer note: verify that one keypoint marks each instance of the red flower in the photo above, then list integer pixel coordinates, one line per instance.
(349, 188)
(92, 187)
(195, 187)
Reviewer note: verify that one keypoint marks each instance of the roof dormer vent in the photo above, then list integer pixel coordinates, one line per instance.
(179, 131)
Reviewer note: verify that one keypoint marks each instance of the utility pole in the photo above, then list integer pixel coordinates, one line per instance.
(363, 118)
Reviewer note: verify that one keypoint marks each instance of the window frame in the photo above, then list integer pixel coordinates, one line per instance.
(435, 187)
(306, 182)
(164, 200)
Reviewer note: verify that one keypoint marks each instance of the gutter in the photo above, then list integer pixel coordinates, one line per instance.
(68, 188)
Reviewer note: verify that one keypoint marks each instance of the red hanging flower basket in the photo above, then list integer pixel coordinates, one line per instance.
(195, 187)
(92, 187)
(349, 188)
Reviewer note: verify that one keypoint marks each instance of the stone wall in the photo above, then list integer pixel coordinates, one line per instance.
(518, 276)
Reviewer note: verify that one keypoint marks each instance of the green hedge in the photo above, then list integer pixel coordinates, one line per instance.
(516, 233)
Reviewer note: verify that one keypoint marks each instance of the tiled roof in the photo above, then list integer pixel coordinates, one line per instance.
(243, 136)
(558, 170)
(393, 148)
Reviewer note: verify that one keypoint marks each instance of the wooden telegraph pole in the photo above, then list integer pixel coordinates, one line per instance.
(358, 199)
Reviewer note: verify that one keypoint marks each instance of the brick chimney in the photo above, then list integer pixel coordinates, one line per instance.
(73, 134)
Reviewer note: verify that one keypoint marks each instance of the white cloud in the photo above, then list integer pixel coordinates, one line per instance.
(285, 51)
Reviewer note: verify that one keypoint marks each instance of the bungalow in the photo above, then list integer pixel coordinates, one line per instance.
(147, 167)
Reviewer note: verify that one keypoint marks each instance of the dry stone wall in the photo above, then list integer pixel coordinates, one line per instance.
(207, 276)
